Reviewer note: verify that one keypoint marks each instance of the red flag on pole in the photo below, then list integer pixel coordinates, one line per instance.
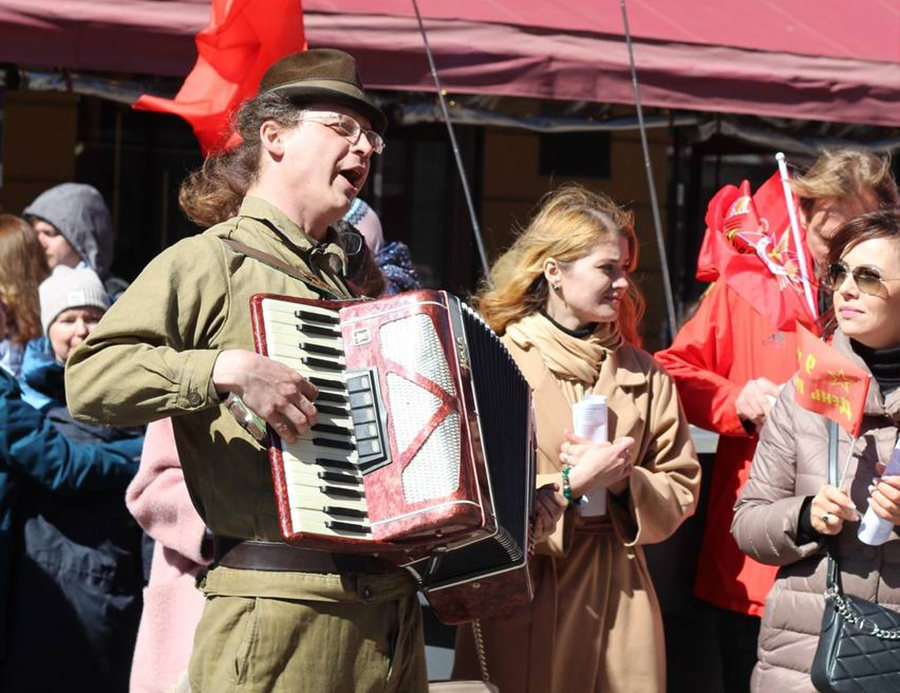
(748, 244)
(243, 39)
(829, 383)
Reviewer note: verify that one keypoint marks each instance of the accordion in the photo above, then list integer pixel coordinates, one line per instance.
(424, 447)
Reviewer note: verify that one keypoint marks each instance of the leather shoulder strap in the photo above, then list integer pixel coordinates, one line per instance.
(308, 278)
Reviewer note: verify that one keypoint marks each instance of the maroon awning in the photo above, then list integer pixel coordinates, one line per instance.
(791, 58)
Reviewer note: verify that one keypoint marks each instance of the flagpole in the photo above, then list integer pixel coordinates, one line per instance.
(795, 231)
(654, 204)
(476, 227)
(847, 463)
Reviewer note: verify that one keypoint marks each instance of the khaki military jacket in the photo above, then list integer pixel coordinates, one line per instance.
(152, 356)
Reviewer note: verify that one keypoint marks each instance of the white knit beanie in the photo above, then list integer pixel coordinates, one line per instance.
(70, 288)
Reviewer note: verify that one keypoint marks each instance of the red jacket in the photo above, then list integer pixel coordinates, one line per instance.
(724, 345)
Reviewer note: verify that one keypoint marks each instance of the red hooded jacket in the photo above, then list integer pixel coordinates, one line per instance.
(726, 344)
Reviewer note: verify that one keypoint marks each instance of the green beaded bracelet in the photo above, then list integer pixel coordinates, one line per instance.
(567, 485)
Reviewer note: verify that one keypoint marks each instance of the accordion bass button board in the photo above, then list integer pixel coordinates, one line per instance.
(424, 446)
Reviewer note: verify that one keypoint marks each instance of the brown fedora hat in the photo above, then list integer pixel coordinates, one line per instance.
(323, 74)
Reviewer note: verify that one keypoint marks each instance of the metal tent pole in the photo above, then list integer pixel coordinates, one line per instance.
(654, 204)
(476, 227)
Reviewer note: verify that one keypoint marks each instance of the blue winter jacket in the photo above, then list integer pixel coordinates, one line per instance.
(33, 453)
(37, 357)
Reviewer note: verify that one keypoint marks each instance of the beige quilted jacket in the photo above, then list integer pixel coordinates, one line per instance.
(791, 462)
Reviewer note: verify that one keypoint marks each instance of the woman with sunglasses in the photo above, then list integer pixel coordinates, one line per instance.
(728, 361)
(787, 509)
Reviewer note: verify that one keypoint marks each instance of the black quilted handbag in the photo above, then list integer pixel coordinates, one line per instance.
(859, 646)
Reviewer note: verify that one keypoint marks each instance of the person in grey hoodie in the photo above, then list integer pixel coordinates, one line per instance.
(74, 226)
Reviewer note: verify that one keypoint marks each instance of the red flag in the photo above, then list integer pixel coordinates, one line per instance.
(829, 383)
(749, 244)
(243, 39)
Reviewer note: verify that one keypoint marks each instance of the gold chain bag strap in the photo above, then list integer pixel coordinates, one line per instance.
(859, 645)
(483, 686)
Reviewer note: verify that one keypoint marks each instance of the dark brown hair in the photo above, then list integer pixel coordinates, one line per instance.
(23, 266)
(883, 223)
(213, 193)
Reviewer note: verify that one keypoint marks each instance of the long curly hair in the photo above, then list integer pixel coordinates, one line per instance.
(213, 193)
(23, 266)
(570, 222)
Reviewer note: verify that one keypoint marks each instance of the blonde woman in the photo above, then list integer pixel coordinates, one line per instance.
(569, 314)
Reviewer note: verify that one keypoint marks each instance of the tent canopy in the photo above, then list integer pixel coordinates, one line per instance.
(792, 58)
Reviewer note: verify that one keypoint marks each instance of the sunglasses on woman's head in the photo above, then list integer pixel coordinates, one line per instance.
(867, 279)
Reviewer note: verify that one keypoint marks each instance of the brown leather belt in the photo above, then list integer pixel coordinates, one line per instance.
(275, 556)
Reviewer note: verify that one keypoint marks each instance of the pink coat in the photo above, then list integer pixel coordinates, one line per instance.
(159, 501)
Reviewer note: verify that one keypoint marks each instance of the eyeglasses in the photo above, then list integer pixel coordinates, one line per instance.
(346, 126)
(867, 279)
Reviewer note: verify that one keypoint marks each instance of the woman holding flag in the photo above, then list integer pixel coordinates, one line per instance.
(731, 357)
(787, 508)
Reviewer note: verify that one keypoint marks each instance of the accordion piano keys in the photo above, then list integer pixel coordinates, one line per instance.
(325, 485)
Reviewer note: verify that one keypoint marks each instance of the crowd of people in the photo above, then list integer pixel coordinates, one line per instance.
(138, 528)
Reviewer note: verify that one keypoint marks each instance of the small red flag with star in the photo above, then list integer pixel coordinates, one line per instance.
(829, 383)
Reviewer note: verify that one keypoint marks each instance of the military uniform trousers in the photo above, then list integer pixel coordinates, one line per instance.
(275, 632)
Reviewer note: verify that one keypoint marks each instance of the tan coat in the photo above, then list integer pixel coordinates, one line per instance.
(595, 624)
(791, 463)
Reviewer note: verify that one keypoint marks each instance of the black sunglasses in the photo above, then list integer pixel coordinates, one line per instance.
(867, 279)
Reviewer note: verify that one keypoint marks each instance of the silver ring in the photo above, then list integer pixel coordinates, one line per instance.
(826, 518)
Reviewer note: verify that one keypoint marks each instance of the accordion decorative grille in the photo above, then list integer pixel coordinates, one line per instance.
(413, 343)
(412, 405)
(434, 471)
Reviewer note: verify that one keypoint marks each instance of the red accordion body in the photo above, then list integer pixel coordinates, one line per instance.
(410, 457)
(459, 504)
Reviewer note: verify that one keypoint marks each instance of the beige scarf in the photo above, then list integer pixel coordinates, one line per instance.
(580, 365)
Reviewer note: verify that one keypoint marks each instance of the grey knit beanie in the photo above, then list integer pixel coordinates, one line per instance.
(70, 288)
